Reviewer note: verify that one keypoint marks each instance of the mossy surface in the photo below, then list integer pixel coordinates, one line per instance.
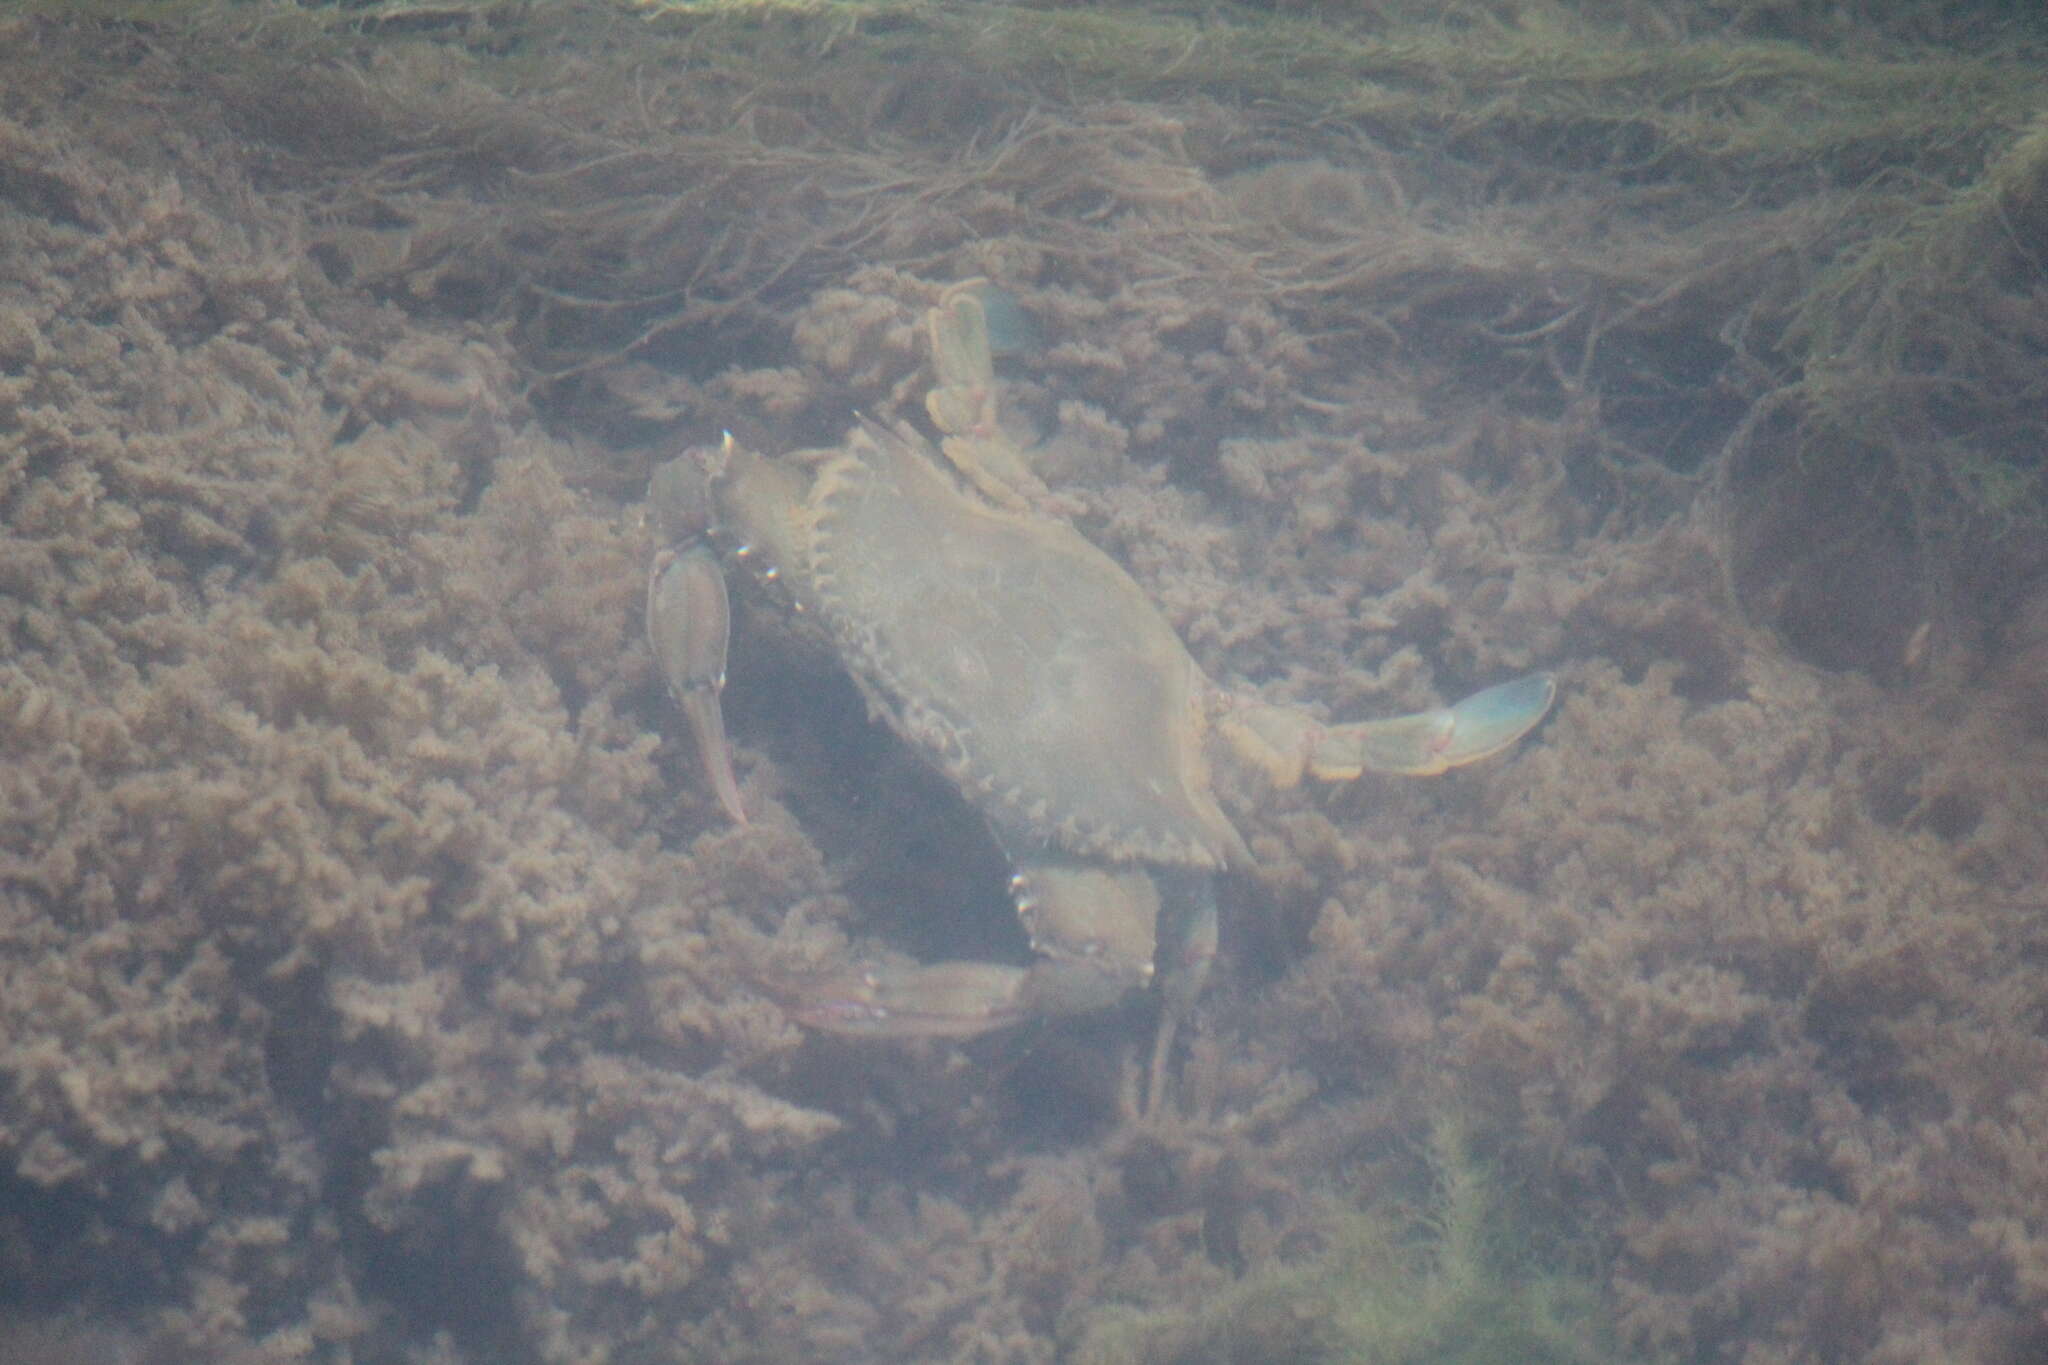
(1454, 1279)
(379, 982)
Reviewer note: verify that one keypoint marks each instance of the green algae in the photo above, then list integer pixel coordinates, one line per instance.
(1884, 312)
(1909, 313)
(1465, 1279)
(1541, 75)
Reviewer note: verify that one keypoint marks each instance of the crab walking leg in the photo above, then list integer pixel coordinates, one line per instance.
(1093, 930)
(1190, 957)
(689, 620)
(944, 1000)
(956, 999)
(1287, 743)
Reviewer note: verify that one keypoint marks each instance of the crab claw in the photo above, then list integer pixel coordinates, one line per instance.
(944, 1000)
(688, 622)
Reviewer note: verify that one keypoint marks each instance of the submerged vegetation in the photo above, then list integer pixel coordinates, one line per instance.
(1780, 251)
(376, 984)
(1458, 1281)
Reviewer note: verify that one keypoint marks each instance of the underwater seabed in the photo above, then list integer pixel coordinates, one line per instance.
(379, 981)
(1454, 1279)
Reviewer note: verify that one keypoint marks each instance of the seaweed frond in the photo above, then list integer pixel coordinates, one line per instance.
(1463, 1280)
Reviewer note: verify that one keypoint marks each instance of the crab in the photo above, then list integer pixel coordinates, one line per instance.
(1032, 671)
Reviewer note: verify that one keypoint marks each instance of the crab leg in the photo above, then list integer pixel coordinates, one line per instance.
(1436, 741)
(1191, 954)
(1287, 743)
(688, 622)
(955, 999)
(962, 404)
(1092, 928)
(944, 1000)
